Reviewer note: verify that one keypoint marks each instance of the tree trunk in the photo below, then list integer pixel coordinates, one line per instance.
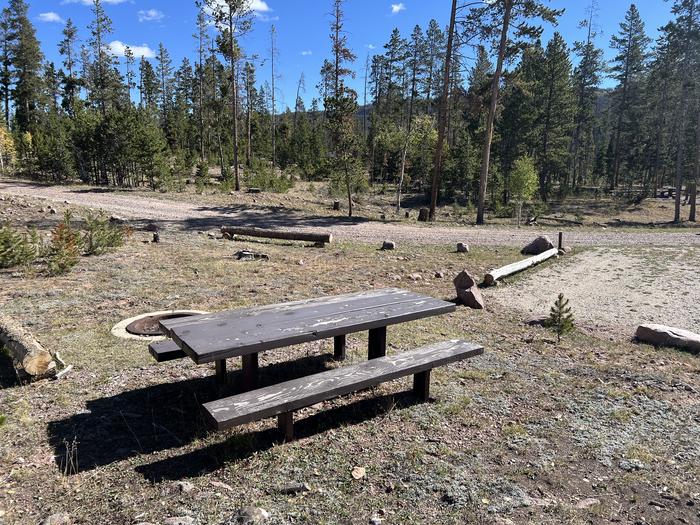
(442, 115)
(348, 188)
(680, 152)
(34, 359)
(488, 133)
(694, 192)
(234, 101)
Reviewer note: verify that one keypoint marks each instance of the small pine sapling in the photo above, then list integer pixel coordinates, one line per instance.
(561, 320)
(64, 251)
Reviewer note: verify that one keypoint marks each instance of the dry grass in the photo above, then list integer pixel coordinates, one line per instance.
(524, 432)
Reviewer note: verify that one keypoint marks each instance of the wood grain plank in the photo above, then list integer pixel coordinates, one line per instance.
(166, 350)
(228, 339)
(306, 391)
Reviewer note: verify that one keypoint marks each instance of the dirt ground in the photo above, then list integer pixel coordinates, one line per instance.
(614, 290)
(593, 430)
(303, 209)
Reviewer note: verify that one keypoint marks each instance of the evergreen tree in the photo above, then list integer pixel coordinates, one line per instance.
(70, 80)
(629, 66)
(561, 320)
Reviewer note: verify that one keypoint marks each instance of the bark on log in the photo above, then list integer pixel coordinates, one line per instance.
(660, 335)
(34, 359)
(278, 234)
(497, 273)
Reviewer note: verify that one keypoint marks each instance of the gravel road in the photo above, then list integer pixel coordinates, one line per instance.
(189, 215)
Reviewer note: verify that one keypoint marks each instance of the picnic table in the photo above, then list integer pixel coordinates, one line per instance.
(247, 332)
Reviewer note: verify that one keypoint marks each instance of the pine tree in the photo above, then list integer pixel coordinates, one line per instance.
(26, 61)
(6, 43)
(340, 103)
(554, 98)
(561, 320)
(628, 68)
(102, 82)
(496, 19)
(70, 80)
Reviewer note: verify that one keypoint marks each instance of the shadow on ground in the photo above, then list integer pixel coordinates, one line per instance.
(240, 446)
(165, 416)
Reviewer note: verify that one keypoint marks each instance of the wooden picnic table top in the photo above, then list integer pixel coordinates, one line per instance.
(231, 333)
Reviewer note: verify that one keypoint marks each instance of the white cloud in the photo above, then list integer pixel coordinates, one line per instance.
(90, 2)
(150, 15)
(397, 8)
(51, 17)
(371, 46)
(259, 6)
(117, 47)
(306, 53)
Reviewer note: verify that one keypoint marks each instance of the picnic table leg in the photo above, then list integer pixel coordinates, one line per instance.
(285, 423)
(250, 371)
(220, 367)
(421, 385)
(339, 347)
(377, 343)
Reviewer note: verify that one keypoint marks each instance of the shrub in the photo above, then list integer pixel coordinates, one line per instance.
(17, 248)
(100, 235)
(64, 250)
(267, 179)
(201, 177)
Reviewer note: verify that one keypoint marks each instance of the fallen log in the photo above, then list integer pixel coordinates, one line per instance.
(660, 335)
(318, 238)
(497, 273)
(558, 219)
(31, 356)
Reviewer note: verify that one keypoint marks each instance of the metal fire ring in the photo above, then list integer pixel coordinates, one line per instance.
(145, 326)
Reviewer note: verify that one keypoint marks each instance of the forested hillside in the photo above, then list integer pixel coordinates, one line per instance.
(525, 118)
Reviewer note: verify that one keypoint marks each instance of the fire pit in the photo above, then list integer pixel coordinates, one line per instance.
(145, 326)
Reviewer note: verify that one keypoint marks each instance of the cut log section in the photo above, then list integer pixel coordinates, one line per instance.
(497, 273)
(33, 358)
(660, 335)
(318, 238)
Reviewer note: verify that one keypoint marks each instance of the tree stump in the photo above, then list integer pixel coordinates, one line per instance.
(336, 205)
(423, 214)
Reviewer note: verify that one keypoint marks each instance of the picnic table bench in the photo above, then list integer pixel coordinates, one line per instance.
(246, 332)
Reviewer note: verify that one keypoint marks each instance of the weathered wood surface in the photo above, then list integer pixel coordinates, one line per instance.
(278, 234)
(165, 350)
(306, 391)
(660, 335)
(210, 337)
(498, 273)
(35, 360)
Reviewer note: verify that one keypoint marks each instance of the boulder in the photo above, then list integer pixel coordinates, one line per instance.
(248, 516)
(468, 292)
(388, 245)
(660, 335)
(462, 247)
(538, 246)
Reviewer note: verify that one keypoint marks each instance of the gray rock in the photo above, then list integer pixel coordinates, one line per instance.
(179, 520)
(587, 503)
(631, 465)
(439, 275)
(247, 255)
(660, 335)
(538, 246)
(182, 486)
(388, 245)
(294, 488)
(248, 516)
(211, 235)
(60, 518)
(462, 247)
(468, 292)
(115, 219)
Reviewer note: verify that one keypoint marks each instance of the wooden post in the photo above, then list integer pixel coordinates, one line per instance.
(220, 367)
(561, 241)
(250, 371)
(339, 347)
(421, 385)
(285, 423)
(377, 343)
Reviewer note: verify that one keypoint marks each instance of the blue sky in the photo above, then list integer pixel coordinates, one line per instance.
(302, 29)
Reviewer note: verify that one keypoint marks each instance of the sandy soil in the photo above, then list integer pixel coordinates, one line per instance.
(195, 216)
(615, 289)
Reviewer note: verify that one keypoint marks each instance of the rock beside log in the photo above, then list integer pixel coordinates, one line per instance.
(468, 292)
(538, 246)
(660, 335)
(28, 353)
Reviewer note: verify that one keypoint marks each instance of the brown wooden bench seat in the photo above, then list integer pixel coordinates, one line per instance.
(166, 350)
(283, 398)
